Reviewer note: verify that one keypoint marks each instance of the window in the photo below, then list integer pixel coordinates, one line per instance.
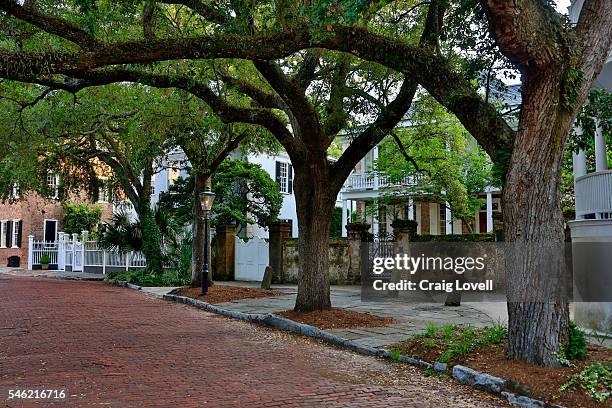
(16, 234)
(173, 175)
(3, 233)
(284, 177)
(152, 184)
(442, 218)
(52, 183)
(382, 219)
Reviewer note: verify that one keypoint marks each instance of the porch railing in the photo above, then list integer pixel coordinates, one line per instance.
(374, 181)
(594, 195)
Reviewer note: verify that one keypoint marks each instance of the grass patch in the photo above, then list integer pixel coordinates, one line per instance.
(449, 343)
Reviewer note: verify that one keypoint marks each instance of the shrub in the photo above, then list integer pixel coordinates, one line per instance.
(576, 345)
(45, 259)
(79, 217)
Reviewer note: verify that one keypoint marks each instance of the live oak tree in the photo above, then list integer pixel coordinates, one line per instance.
(206, 143)
(83, 137)
(557, 62)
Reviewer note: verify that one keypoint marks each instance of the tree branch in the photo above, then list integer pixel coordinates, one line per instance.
(49, 24)
(526, 31)
(207, 11)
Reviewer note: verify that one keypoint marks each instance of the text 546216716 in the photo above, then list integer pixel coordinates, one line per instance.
(37, 394)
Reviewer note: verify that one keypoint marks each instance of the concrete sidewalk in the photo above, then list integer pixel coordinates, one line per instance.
(412, 318)
(39, 273)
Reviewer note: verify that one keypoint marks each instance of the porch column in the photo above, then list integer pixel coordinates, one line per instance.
(601, 162)
(449, 220)
(411, 209)
(344, 217)
(579, 164)
(489, 212)
(374, 158)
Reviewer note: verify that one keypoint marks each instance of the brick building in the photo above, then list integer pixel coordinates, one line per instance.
(31, 214)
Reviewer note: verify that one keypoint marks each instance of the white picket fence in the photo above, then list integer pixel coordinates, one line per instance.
(70, 253)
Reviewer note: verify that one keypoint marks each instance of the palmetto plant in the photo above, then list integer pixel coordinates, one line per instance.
(125, 234)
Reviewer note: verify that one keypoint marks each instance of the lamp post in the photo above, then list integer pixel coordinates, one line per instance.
(206, 200)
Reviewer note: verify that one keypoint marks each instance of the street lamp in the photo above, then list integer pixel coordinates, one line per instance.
(207, 198)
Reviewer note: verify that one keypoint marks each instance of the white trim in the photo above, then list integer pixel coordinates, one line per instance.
(15, 233)
(3, 224)
(45, 228)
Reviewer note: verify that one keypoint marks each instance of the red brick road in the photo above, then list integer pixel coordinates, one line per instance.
(114, 347)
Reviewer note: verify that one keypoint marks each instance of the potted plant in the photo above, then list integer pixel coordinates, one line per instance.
(45, 260)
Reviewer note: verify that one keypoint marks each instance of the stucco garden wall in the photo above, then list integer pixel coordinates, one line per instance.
(339, 261)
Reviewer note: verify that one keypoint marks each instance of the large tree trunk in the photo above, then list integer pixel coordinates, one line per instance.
(315, 203)
(201, 181)
(537, 303)
(151, 237)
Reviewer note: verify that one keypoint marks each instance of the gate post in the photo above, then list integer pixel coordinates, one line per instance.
(223, 268)
(74, 249)
(358, 254)
(30, 251)
(279, 231)
(61, 257)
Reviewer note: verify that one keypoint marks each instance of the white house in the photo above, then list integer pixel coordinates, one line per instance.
(278, 166)
(593, 222)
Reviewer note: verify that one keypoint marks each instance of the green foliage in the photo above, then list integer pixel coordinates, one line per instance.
(444, 159)
(80, 217)
(244, 194)
(595, 379)
(45, 259)
(457, 341)
(576, 346)
(597, 110)
(336, 223)
(570, 88)
(395, 354)
(121, 234)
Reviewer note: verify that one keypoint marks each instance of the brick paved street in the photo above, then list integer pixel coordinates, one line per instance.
(114, 347)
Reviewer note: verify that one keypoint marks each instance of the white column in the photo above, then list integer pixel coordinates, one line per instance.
(579, 163)
(374, 158)
(449, 220)
(489, 212)
(601, 162)
(418, 217)
(411, 209)
(344, 217)
(375, 226)
(30, 251)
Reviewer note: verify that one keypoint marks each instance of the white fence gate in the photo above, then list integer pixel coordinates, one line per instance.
(251, 259)
(70, 253)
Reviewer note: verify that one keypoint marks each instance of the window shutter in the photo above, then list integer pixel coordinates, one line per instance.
(289, 178)
(19, 227)
(9, 234)
(278, 174)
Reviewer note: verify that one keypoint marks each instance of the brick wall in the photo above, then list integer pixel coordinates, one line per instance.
(32, 210)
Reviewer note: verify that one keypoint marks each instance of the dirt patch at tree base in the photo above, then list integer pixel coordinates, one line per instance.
(337, 319)
(226, 293)
(526, 379)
